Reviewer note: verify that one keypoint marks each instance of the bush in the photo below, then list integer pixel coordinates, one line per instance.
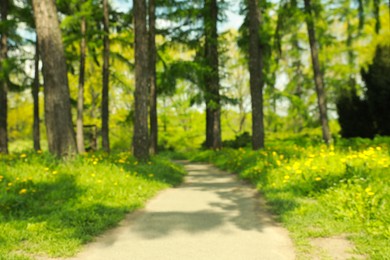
(354, 116)
(242, 140)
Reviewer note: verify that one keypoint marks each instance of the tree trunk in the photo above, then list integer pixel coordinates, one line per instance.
(152, 75)
(256, 75)
(59, 127)
(3, 82)
(80, 97)
(141, 136)
(213, 107)
(35, 95)
(318, 78)
(106, 75)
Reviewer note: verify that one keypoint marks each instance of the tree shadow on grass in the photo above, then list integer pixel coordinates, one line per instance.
(57, 205)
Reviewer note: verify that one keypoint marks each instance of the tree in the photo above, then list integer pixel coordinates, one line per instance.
(106, 75)
(59, 127)
(212, 96)
(152, 80)
(80, 97)
(255, 75)
(4, 78)
(318, 77)
(141, 136)
(35, 95)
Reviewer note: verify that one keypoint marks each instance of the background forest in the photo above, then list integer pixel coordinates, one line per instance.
(348, 35)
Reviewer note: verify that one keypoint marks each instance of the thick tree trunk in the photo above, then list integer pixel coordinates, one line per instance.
(80, 97)
(141, 95)
(152, 81)
(256, 75)
(318, 78)
(59, 127)
(106, 75)
(3, 83)
(35, 95)
(213, 107)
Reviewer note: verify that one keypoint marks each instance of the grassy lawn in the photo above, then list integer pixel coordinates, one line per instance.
(50, 207)
(319, 191)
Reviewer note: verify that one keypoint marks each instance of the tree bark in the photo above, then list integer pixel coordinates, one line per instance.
(141, 95)
(80, 97)
(3, 82)
(58, 119)
(213, 107)
(106, 75)
(318, 77)
(152, 80)
(35, 95)
(256, 80)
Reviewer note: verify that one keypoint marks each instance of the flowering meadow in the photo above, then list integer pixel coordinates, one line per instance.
(50, 207)
(319, 191)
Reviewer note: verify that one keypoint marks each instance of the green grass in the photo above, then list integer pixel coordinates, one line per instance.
(50, 207)
(318, 191)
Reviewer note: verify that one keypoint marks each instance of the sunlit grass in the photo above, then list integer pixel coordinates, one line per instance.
(320, 191)
(50, 207)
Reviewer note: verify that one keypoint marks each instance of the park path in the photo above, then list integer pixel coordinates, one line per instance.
(212, 215)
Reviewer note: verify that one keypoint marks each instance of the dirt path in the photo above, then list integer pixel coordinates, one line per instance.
(211, 216)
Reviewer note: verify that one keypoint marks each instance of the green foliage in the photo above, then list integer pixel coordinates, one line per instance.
(378, 89)
(319, 191)
(241, 140)
(50, 207)
(355, 117)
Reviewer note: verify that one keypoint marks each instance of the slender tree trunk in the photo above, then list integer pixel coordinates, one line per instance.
(141, 95)
(351, 56)
(152, 75)
(35, 95)
(106, 75)
(59, 127)
(3, 82)
(213, 107)
(256, 75)
(318, 77)
(80, 97)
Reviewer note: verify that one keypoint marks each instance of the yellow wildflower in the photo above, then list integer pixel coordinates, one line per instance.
(54, 172)
(318, 179)
(23, 155)
(22, 191)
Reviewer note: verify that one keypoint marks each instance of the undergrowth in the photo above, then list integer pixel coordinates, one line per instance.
(320, 191)
(50, 207)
